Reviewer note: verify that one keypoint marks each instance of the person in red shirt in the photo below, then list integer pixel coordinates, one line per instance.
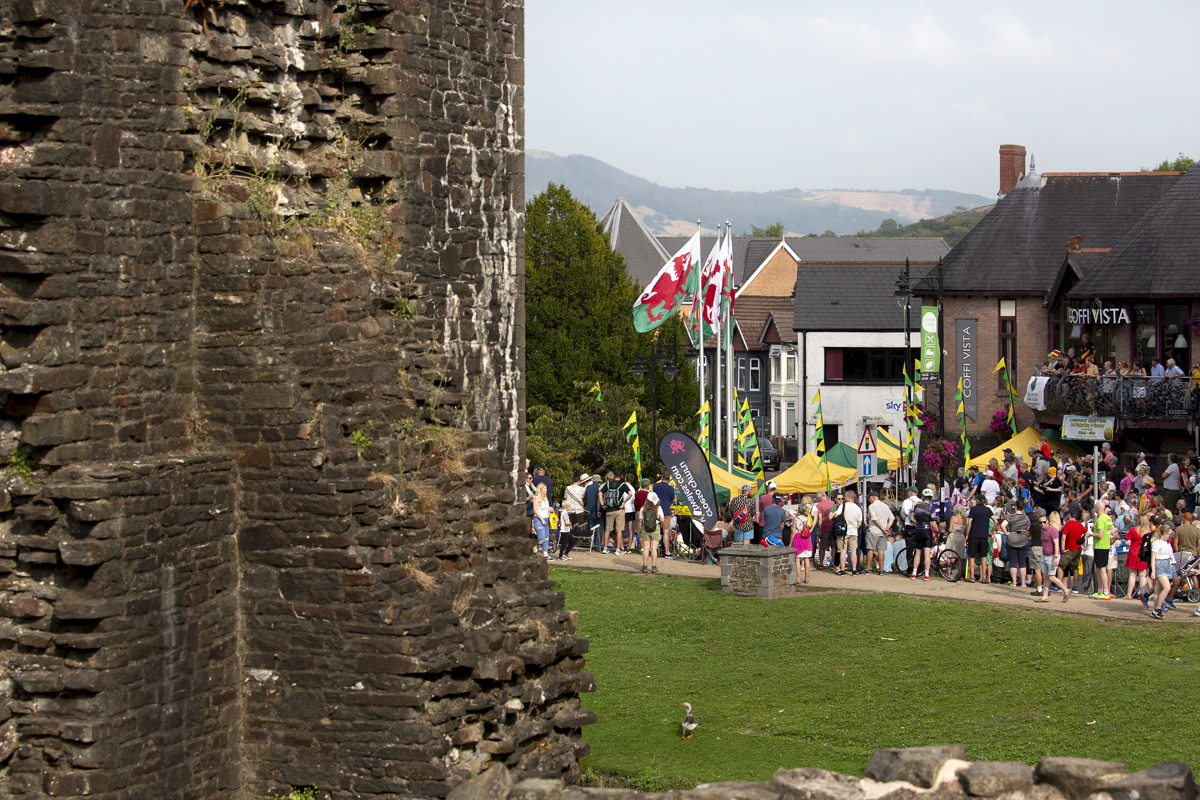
(1073, 534)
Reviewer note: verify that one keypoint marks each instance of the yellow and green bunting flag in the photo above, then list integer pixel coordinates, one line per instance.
(596, 391)
(702, 439)
(631, 436)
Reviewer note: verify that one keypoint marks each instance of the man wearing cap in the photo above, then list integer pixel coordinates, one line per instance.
(1010, 469)
(975, 481)
(909, 529)
(574, 500)
(774, 516)
(741, 512)
(881, 520)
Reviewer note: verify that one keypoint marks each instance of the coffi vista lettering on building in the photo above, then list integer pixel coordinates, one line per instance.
(1097, 316)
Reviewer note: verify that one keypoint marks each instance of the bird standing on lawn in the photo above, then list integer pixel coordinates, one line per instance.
(689, 722)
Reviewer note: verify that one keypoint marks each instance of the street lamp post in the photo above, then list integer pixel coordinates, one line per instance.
(904, 289)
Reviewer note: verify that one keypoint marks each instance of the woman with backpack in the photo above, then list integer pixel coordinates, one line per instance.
(1135, 561)
(650, 526)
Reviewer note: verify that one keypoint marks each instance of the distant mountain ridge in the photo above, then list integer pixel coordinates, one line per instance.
(673, 211)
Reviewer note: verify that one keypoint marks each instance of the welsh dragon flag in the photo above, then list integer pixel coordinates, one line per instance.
(712, 287)
(678, 279)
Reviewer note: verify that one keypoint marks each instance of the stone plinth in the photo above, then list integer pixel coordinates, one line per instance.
(756, 571)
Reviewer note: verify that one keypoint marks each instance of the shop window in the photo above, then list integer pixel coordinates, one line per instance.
(1174, 329)
(882, 365)
(1008, 342)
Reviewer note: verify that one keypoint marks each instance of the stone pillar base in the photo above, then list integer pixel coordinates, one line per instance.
(757, 571)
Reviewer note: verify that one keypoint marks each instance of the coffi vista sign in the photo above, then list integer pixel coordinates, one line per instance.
(1097, 316)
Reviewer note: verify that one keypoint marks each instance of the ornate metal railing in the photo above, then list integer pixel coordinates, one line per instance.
(1133, 397)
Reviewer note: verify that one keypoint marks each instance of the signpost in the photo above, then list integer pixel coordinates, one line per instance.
(1090, 429)
(866, 454)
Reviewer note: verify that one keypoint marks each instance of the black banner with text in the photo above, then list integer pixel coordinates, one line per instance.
(687, 465)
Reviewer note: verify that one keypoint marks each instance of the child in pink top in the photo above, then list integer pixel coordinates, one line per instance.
(802, 544)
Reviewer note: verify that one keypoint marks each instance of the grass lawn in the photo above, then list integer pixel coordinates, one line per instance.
(823, 680)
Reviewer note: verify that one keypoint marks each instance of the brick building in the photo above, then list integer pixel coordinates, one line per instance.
(1010, 285)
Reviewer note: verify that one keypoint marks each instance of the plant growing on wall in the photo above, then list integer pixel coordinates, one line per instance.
(1000, 424)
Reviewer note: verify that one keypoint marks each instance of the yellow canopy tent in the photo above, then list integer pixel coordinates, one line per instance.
(808, 475)
(1030, 437)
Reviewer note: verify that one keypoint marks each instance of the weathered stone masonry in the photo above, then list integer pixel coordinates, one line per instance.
(260, 327)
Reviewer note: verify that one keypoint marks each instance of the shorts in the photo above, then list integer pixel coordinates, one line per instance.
(1165, 568)
(630, 516)
(614, 521)
(876, 539)
(922, 539)
(826, 540)
(743, 536)
(1047, 565)
(1068, 560)
(1018, 557)
(652, 536)
(977, 549)
(1101, 558)
(804, 554)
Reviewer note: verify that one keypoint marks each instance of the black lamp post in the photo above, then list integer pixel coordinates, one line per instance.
(639, 370)
(904, 289)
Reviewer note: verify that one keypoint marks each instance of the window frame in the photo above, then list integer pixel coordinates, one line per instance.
(755, 376)
(1007, 343)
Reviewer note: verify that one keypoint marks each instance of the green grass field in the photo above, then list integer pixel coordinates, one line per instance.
(824, 680)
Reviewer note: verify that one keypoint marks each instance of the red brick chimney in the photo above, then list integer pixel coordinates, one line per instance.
(1012, 166)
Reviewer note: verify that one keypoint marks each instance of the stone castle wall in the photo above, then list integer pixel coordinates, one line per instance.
(261, 279)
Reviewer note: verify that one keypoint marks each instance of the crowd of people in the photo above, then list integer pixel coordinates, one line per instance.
(1041, 520)
(1150, 387)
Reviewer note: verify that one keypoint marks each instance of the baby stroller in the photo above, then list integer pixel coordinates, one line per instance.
(1189, 579)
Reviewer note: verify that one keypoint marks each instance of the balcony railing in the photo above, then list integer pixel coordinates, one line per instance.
(1134, 397)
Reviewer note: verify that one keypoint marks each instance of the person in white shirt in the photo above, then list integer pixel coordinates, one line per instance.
(847, 540)
(1162, 569)
(990, 489)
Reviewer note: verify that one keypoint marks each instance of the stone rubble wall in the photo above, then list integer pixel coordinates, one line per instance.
(918, 773)
(262, 348)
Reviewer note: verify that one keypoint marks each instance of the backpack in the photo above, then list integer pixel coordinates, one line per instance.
(1145, 552)
(839, 522)
(612, 496)
(649, 521)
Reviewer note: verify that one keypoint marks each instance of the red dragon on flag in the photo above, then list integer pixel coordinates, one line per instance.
(665, 294)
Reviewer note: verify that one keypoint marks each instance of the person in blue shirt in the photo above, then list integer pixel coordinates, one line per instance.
(666, 499)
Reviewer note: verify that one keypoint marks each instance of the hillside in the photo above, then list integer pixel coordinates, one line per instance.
(951, 227)
(668, 210)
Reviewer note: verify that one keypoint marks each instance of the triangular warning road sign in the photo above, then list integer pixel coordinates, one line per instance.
(867, 443)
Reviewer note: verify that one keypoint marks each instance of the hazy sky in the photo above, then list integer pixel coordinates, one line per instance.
(861, 95)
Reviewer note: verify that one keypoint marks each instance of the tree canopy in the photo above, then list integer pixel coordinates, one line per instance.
(1181, 164)
(774, 230)
(579, 332)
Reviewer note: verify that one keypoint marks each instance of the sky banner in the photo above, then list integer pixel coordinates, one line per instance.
(687, 465)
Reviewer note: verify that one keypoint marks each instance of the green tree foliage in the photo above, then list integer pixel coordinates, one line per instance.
(1180, 164)
(774, 230)
(579, 330)
(951, 227)
(578, 302)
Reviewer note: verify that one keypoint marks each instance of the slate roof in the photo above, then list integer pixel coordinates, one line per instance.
(1159, 256)
(752, 314)
(853, 296)
(644, 256)
(1018, 248)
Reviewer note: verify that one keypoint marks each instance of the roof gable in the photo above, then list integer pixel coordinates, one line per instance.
(775, 276)
(1159, 256)
(644, 255)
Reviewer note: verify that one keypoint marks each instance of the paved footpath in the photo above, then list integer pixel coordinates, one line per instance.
(1120, 609)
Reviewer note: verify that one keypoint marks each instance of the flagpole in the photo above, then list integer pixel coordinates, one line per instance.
(718, 428)
(729, 421)
(700, 343)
